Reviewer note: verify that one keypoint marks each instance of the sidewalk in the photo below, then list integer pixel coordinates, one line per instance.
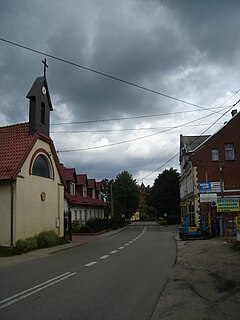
(204, 283)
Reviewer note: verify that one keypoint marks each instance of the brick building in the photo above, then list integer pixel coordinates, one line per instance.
(210, 176)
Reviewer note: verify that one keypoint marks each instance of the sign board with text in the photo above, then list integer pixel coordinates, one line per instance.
(208, 197)
(228, 205)
(209, 186)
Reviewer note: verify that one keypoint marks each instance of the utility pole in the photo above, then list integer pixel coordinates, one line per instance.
(111, 200)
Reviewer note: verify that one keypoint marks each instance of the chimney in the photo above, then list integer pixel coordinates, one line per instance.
(234, 112)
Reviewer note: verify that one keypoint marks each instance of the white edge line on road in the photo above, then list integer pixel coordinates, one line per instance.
(90, 264)
(39, 285)
(40, 288)
(104, 257)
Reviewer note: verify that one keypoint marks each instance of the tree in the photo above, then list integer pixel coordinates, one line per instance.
(165, 196)
(107, 194)
(125, 195)
(106, 189)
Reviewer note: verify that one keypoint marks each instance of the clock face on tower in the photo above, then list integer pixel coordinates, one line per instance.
(44, 91)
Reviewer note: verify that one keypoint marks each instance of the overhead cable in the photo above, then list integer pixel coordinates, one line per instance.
(101, 73)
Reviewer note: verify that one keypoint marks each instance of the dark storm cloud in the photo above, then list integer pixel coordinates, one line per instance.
(211, 25)
(186, 49)
(138, 53)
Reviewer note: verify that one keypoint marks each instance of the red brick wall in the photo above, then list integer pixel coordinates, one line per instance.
(211, 169)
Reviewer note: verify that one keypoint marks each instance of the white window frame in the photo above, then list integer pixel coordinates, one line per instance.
(72, 188)
(215, 154)
(229, 151)
(84, 191)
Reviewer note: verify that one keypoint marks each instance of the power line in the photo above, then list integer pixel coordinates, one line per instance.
(130, 140)
(127, 129)
(133, 117)
(207, 128)
(177, 154)
(101, 73)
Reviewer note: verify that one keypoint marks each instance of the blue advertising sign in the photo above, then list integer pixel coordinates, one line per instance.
(204, 186)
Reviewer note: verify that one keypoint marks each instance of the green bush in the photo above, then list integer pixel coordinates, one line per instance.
(47, 239)
(21, 246)
(96, 224)
(6, 251)
(85, 229)
(143, 216)
(62, 240)
(116, 222)
(43, 240)
(32, 243)
(26, 245)
(76, 226)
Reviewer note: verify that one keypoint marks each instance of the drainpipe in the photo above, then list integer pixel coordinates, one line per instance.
(12, 202)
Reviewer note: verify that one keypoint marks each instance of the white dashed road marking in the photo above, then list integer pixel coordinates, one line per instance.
(90, 264)
(104, 257)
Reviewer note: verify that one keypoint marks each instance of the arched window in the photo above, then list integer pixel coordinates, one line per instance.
(41, 167)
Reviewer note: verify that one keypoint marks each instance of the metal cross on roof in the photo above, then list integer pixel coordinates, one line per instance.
(45, 66)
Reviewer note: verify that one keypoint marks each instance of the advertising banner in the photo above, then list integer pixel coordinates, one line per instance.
(209, 186)
(228, 205)
(208, 197)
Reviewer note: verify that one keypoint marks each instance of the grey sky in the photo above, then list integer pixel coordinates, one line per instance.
(186, 49)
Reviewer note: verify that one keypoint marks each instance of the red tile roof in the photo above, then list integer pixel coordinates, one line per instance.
(82, 179)
(92, 183)
(15, 145)
(99, 185)
(69, 174)
(15, 142)
(78, 198)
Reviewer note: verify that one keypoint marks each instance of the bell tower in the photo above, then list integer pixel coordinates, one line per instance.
(40, 105)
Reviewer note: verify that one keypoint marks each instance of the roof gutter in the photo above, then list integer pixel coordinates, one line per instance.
(11, 222)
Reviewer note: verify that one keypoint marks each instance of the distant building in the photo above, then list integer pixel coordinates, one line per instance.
(210, 176)
(82, 196)
(142, 196)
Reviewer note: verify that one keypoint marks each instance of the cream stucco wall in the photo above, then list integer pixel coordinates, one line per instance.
(32, 214)
(5, 214)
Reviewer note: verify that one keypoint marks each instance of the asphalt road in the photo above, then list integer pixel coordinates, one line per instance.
(116, 277)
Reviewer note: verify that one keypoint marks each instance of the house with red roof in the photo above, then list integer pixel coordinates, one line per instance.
(31, 182)
(82, 196)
